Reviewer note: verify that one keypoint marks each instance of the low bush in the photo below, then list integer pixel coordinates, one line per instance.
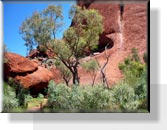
(31, 102)
(14, 97)
(135, 77)
(96, 98)
(125, 98)
(10, 101)
(77, 98)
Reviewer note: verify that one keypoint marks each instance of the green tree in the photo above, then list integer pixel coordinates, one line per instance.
(82, 36)
(41, 27)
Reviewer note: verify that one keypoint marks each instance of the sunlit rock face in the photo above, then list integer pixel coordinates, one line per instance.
(26, 72)
(135, 27)
(125, 27)
(18, 64)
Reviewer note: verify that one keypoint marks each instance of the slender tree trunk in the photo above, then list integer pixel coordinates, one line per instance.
(75, 76)
(104, 79)
(93, 79)
(66, 81)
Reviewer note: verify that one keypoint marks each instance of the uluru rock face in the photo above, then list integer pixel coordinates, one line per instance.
(125, 27)
(134, 27)
(26, 72)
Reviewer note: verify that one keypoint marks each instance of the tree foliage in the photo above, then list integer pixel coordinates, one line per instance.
(41, 27)
(135, 76)
(83, 35)
(10, 101)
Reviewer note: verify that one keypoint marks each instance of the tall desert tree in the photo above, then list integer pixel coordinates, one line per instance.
(81, 36)
(41, 27)
(55, 17)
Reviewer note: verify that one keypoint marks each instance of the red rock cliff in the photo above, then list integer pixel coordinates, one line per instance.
(125, 27)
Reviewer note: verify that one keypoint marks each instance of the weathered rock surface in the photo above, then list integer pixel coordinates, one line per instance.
(36, 53)
(37, 79)
(111, 16)
(26, 72)
(19, 64)
(125, 27)
(135, 27)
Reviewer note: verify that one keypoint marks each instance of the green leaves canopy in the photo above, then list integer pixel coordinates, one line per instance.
(84, 34)
(41, 27)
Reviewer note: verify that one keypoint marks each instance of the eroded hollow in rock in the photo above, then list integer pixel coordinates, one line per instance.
(105, 42)
(39, 88)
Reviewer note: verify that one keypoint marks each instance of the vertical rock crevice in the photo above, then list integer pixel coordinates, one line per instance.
(121, 10)
(121, 25)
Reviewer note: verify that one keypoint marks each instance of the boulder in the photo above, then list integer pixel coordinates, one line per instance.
(27, 72)
(38, 79)
(18, 64)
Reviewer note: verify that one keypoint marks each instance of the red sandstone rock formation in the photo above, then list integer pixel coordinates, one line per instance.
(135, 27)
(26, 72)
(19, 64)
(38, 79)
(125, 28)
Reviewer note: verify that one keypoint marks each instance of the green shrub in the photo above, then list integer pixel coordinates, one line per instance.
(58, 96)
(78, 99)
(20, 92)
(133, 69)
(124, 96)
(10, 101)
(31, 102)
(28, 98)
(96, 98)
(135, 77)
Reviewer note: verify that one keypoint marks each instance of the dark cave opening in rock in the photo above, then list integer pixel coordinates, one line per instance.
(38, 89)
(105, 42)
